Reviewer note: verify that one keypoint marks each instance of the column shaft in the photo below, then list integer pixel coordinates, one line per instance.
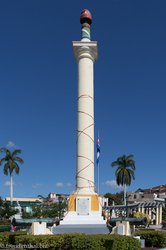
(85, 133)
(86, 55)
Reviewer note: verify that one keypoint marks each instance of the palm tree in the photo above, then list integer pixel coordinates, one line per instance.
(11, 162)
(124, 172)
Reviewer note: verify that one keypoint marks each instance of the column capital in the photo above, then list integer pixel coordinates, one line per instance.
(84, 49)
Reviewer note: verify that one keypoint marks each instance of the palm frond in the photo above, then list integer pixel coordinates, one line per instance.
(132, 174)
(11, 167)
(131, 167)
(16, 152)
(6, 168)
(16, 168)
(2, 150)
(11, 160)
(18, 159)
(8, 152)
(2, 160)
(125, 169)
(127, 177)
(115, 163)
(119, 179)
(130, 157)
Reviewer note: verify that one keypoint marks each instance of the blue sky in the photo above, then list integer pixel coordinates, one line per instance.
(38, 86)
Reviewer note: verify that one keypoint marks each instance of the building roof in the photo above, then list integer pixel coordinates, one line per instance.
(24, 199)
(156, 189)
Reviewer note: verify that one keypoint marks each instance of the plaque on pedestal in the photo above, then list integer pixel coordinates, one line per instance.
(83, 206)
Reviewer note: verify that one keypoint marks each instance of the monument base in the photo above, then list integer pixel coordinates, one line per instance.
(85, 229)
(84, 209)
(72, 218)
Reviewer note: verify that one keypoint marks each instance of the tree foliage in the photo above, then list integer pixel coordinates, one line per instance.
(54, 210)
(6, 210)
(143, 216)
(124, 172)
(125, 169)
(116, 198)
(11, 161)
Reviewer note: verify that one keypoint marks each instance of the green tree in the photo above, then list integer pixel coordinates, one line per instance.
(117, 198)
(6, 211)
(11, 162)
(124, 172)
(140, 215)
(54, 210)
(1, 201)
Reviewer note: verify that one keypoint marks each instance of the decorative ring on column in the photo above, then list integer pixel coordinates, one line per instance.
(91, 162)
(88, 96)
(82, 132)
(85, 114)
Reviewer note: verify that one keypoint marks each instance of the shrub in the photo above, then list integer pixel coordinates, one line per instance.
(41, 241)
(153, 238)
(4, 240)
(8, 238)
(69, 241)
(79, 242)
(83, 242)
(125, 243)
(101, 242)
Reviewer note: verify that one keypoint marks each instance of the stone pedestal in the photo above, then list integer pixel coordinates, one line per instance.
(123, 228)
(38, 228)
(84, 209)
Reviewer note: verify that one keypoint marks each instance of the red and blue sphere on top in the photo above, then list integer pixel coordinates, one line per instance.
(86, 17)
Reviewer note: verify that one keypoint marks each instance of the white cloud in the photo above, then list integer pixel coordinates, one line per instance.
(7, 183)
(69, 184)
(59, 184)
(11, 144)
(112, 184)
(37, 185)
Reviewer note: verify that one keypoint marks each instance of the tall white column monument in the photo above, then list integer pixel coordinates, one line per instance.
(84, 205)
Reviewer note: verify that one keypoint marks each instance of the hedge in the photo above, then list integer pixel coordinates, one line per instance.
(82, 242)
(9, 238)
(4, 240)
(78, 242)
(153, 238)
(112, 242)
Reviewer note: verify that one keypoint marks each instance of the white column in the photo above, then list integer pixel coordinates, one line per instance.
(160, 214)
(86, 54)
(143, 210)
(11, 189)
(157, 213)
